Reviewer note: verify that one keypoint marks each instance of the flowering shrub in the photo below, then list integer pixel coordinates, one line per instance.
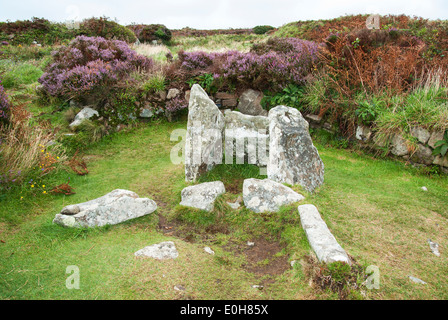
(91, 66)
(4, 105)
(271, 66)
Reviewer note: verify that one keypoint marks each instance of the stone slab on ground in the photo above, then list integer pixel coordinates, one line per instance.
(161, 251)
(202, 196)
(267, 195)
(113, 208)
(321, 240)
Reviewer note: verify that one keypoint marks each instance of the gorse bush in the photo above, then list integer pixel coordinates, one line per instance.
(91, 66)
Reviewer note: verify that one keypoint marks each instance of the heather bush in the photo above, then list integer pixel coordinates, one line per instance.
(4, 105)
(91, 66)
(272, 66)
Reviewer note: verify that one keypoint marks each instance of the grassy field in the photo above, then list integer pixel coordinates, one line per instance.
(375, 208)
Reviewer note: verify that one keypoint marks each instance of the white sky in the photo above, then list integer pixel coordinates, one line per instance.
(215, 14)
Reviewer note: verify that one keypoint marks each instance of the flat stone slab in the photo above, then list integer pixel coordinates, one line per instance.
(115, 207)
(319, 236)
(161, 251)
(202, 196)
(267, 195)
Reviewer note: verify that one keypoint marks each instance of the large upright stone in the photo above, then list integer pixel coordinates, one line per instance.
(293, 159)
(203, 143)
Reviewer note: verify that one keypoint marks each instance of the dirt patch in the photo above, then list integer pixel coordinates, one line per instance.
(263, 258)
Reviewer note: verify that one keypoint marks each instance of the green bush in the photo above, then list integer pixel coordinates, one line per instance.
(262, 29)
(148, 33)
(108, 29)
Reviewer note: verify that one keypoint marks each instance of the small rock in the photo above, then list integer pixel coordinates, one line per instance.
(234, 205)
(416, 280)
(434, 247)
(146, 113)
(84, 114)
(179, 287)
(172, 93)
(161, 251)
(424, 189)
(209, 250)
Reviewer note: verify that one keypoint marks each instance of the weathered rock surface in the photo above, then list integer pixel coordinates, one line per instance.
(363, 133)
(293, 159)
(423, 155)
(85, 114)
(146, 113)
(267, 195)
(249, 103)
(421, 134)
(435, 137)
(202, 196)
(247, 138)
(399, 146)
(321, 240)
(115, 207)
(203, 143)
(172, 93)
(161, 251)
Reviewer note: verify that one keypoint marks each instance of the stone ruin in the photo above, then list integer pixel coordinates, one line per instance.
(279, 143)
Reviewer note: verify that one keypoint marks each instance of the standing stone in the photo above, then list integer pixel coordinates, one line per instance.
(203, 143)
(293, 159)
(250, 103)
(202, 196)
(321, 240)
(267, 195)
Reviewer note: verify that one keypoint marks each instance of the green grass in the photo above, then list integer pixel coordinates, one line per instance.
(19, 74)
(375, 209)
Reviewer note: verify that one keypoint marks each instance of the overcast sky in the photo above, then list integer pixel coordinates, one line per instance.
(214, 14)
